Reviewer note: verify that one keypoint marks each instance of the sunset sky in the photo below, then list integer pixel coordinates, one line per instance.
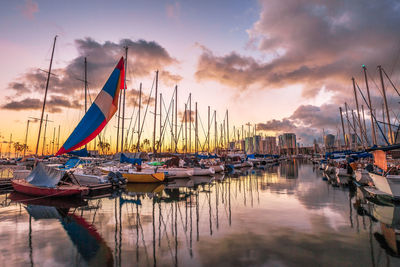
(281, 64)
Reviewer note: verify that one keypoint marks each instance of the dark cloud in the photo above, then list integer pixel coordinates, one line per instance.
(317, 44)
(307, 122)
(53, 105)
(144, 58)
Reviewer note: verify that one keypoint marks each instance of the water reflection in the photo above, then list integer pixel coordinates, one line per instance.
(285, 215)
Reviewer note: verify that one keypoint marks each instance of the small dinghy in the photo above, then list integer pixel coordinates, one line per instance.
(47, 181)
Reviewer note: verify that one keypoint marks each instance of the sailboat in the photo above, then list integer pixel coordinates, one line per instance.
(47, 181)
(100, 112)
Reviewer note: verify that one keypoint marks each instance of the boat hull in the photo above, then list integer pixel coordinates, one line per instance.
(144, 177)
(22, 186)
(389, 184)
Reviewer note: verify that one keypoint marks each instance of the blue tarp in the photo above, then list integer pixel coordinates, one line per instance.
(206, 156)
(44, 176)
(129, 160)
(80, 153)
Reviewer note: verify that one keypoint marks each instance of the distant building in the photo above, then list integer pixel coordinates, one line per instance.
(287, 143)
(249, 148)
(269, 145)
(329, 141)
(257, 144)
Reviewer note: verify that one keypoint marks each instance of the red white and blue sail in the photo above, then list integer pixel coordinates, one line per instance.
(100, 112)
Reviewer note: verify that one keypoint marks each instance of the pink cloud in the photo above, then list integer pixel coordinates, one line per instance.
(29, 9)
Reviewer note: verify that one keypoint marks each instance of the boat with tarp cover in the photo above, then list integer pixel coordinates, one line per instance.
(47, 181)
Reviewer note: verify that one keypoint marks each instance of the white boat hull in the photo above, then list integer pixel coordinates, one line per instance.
(203, 172)
(389, 184)
(177, 172)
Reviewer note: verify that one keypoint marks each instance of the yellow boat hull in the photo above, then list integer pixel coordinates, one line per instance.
(144, 177)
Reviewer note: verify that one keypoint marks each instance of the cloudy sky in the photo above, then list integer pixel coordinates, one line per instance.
(281, 64)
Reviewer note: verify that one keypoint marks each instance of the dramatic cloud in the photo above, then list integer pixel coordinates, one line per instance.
(317, 44)
(144, 58)
(306, 122)
(29, 9)
(53, 105)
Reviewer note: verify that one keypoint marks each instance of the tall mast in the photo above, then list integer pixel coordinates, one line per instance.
(85, 91)
(350, 139)
(355, 128)
(383, 118)
(54, 136)
(227, 129)
(161, 130)
(208, 131)
(45, 95)
(58, 139)
(358, 111)
(190, 122)
(123, 104)
(155, 116)
(44, 135)
(344, 133)
(185, 120)
(215, 131)
(172, 126)
(176, 119)
(139, 126)
(9, 146)
(365, 127)
(386, 106)
(195, 132)
(370, 107)
(26, 137)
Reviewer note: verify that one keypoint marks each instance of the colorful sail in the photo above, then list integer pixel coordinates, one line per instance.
(100, 112)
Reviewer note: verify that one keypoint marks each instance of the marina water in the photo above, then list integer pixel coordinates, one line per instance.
(286, 215)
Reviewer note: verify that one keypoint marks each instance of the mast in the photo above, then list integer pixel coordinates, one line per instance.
(344, 133)
(355, 128)
(215, 131)
(45, 95)
(44, 135)
(185, 120)
(85, 92)
(227, 129)
(176, 119)
(58, 139)
(190, 123)
(123, 104)
(386, 106)
(348, 126)
(370, 107)
(208, 131)
(139, 128)
(9, 146)
(54, 136)
(155, 116)
(26, 137)
(196, 133)
(161, 130)
(358, 112)
(365, 127)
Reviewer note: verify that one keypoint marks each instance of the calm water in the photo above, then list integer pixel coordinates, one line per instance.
(284, 216)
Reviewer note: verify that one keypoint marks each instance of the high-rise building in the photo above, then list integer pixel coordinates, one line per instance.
(257, 144)
(287, 143)
(249, 148)
(269, 145)
(329, 141)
